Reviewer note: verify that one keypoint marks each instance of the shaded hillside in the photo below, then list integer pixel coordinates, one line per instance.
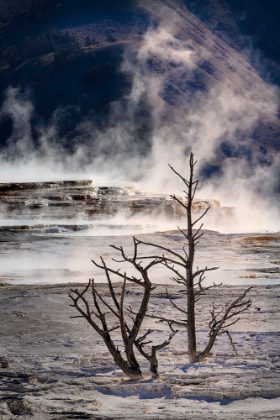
(54, 37)
(245, 24)
(68, 54)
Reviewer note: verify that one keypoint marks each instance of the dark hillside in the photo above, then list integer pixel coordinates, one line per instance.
(67, 56)
(245, 24)
(42, 41)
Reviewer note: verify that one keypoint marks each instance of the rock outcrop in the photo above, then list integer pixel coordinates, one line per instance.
(48, 204)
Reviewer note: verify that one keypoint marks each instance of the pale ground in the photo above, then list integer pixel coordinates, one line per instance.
(61, 369)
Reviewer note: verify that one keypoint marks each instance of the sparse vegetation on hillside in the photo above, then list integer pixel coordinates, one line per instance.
(61, 42)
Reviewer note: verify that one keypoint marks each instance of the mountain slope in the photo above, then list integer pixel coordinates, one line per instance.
(70, 56)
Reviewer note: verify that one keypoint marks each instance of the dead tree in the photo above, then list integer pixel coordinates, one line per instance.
(129, 328)
(182, 265)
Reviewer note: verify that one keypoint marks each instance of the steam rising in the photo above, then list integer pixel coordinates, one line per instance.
(222, 112)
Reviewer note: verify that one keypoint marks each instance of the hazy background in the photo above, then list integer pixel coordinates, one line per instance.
(116, 93)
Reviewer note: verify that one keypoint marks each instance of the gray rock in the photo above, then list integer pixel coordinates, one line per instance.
(4, 364)
(20, 407)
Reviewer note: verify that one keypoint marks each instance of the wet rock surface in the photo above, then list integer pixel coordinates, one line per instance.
(20, 407)
(50, 232)
(25, 206)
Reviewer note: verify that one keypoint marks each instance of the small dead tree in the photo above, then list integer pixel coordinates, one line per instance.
(129, 328)
(182, 265)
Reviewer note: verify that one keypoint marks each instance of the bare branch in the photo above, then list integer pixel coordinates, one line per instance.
(218, 325)
(174, 304)
(194, 190)
(202, 289)
(182, 232)
(110, 285)
(204, 270)
(231, 341)
(110, 330)
(172, 268)
(182, 323)
(144, 336)
(197, 234)
(201, 217)
(186, 182)
(157, 257)
(179, 201)
(106, 304)
(163, 248)
(119, 274)
(230, 324)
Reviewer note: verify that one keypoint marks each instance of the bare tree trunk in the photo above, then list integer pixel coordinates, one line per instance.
(192, 279)
(191, 327)
(154, 363)
(189, 275)
(130, 366)
(129, 330)
(153, 356)
(132, 370)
